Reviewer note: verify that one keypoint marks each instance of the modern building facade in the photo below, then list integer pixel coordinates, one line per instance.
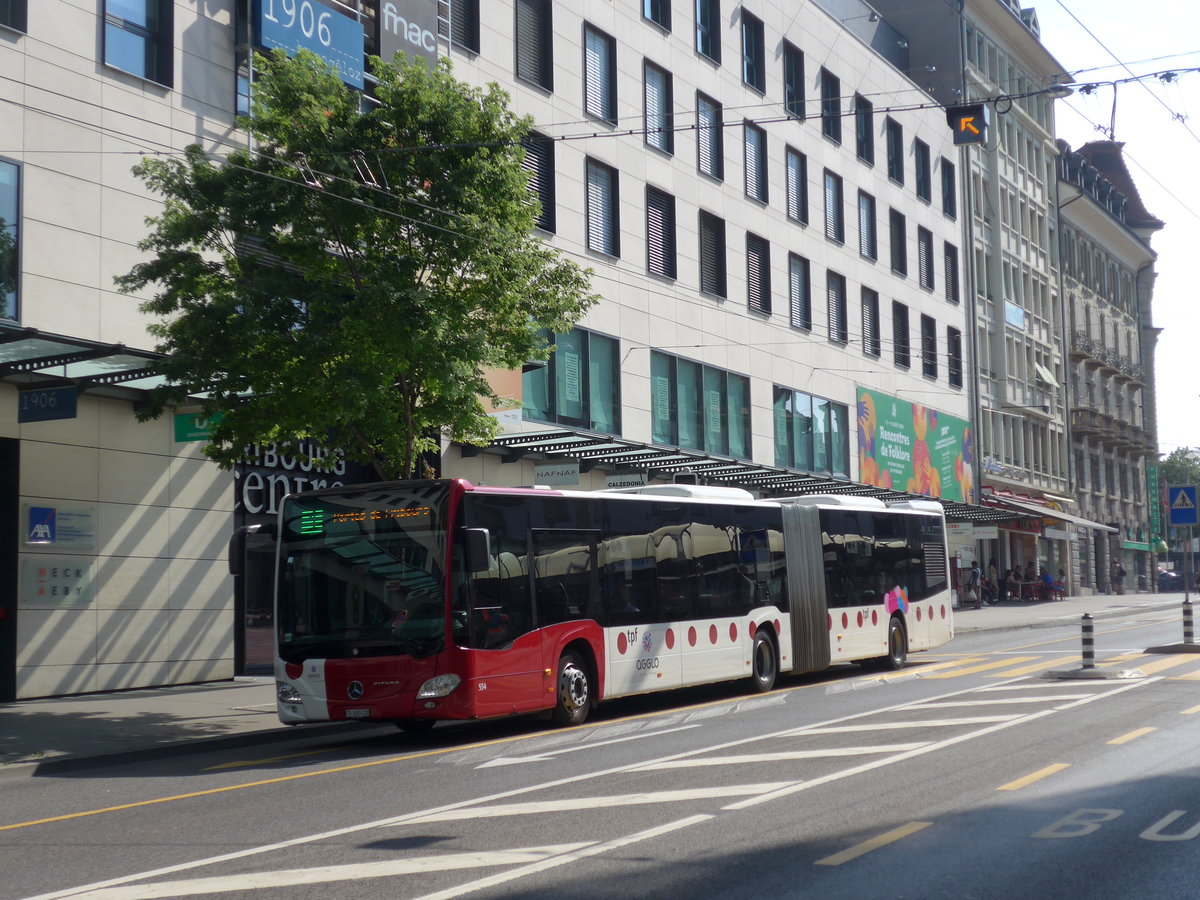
(1108, 278)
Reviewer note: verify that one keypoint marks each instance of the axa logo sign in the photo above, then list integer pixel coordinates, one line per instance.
(408, 25)
(43, 525)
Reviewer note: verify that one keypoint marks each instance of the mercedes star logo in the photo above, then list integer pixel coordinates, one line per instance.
(354, 690)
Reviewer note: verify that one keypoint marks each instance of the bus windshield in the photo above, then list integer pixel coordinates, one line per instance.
(362, 573)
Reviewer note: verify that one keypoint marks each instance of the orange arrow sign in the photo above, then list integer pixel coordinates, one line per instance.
(967, 124)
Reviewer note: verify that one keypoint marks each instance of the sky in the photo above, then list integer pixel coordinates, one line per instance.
(1161, 151)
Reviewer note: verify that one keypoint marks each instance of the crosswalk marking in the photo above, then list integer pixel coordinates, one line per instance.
(578, 803)
(1045, 664)
(991, 701)
(1149, 668)
(984, 667)
(784, 756)
(885, 726)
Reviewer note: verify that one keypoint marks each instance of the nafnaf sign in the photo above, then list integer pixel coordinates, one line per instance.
(408, 25)
(298, 25)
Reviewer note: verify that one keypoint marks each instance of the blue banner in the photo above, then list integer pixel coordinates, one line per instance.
(308, 25)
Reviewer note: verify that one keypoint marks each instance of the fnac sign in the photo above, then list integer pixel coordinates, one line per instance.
(408, 25)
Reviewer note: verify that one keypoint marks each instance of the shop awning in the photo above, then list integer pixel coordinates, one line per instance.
(1045, 512)
(31, 359)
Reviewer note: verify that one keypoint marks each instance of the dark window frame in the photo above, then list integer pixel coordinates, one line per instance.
(923, 161)
(462, 26)
(894, 132)
(901, 339)
(929, 358)
(610, 243)
(664, 263)
(898, 242)
(14, 14)
(837, 308)
(831, 106)
(872, 342)
(758, 273)
(533, 42)
(710, 134)
(13, 229)
(158, 42)
(793, 80)
(796, 186)
(658, 12)
(548, 375)
(864, 129)
(925, 258)
(714, 276)
(754, 52)
(954, 357)
(708, 29)
(835, 211)
(539, 161)
(608, 78)
(754, 153)
(868, 226)
(799, 292)
(949, 189)
(667, 130)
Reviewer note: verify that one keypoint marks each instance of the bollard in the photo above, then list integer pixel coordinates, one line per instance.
(1089, 642)
(1188, 631)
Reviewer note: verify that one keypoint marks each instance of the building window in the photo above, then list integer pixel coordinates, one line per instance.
(659, 103)
(870, 322)
(950, 263)
(864, 129)
(708, 28)
(949, 189)
(539, 163)
(754, 65)
(603, 226)
(835, 226)
(831, 106)
(929, 360)
(835, 297)
(10, 244)
(923, 164)
(580, 384)
(758, 273)
(898, 242)
(755, 141)
(925, 257)
(799, 293)
(599, 75)
(660, 233)
(954, 363)
(797, 185)
(698, 407)
(793, 80)
(139, 38)
(712, 254)
(658, 12)
(811, 433)
(535, 43)
(13, 14)
(895, 150)
(900, 343)
(462, 25)
(710, 137)
(868, 237)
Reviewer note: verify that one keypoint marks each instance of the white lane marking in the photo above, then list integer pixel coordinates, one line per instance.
(816, 728)
(550, 754)
(948, 742)
(948, 704)
(615, 844)
(832, 753)
(417, 865)
(891, 726)
(571, 804)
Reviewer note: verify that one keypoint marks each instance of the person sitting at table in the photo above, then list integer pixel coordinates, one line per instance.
(1005, 585)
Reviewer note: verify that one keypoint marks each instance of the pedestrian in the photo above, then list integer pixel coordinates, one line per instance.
(1030, 576)
(1006, 585)
(974, 588)
(990, 586)
(1118, 578)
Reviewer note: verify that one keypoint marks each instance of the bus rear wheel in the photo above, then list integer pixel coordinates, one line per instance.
(574, 691)
(897, 638)
(764, 665)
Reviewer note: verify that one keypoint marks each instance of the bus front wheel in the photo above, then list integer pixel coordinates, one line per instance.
(574, 691)
(764, 666)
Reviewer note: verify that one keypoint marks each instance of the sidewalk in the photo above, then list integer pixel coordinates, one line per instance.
(45, 736)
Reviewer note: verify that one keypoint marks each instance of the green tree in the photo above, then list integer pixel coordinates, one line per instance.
(1182, 466)
(351, 277)
(8, 270)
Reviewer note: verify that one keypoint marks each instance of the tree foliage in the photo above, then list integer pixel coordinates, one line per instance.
(1182, 466)
(351, 277)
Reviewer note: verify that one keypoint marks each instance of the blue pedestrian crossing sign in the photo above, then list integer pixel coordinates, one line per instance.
(1181, 500)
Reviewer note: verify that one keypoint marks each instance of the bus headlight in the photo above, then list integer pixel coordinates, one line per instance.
(439, 686)
(287, 693)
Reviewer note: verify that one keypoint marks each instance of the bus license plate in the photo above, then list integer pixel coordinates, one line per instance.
(357, 713)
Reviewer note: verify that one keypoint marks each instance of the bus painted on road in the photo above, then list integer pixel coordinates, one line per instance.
(420, 601)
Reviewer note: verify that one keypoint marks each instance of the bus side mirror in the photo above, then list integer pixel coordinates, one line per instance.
(237, 544)
(477, 542)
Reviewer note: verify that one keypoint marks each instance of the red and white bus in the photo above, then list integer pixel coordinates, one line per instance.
(425, 600)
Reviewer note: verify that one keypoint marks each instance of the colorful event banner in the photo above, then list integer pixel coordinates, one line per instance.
(908, 447)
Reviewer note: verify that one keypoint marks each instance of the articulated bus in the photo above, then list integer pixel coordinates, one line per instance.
(417, 601)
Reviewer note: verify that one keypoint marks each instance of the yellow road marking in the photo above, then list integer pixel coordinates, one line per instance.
(237, 764)
(888, 837)
(1190, 712)
(1132, 736)
(1035, 776)
(1169, 663)
(985, 667)
(1038, 666)
(1190, 676)
(1120, 659)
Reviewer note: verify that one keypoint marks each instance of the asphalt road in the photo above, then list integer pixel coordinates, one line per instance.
(966, 775)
